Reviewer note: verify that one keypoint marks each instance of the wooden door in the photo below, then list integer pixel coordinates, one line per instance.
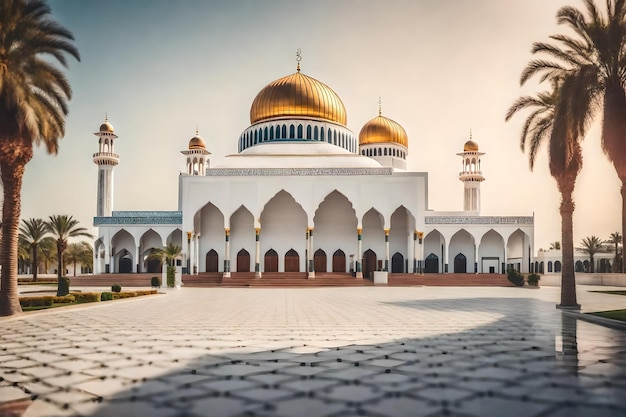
(431, 264)
(460, 264)
(243, 261)
(369, 263)
(212, 261)
(319, 261)
(270, 261)
(339, 261)
(292, 261)
(397, 262)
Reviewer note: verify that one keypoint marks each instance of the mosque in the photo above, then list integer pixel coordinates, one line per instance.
(306, 194)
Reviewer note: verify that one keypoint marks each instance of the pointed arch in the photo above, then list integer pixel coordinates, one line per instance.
(292, 261)
(397, 262)
(319, 261)
(243, 261)
(431, 264)
(339, 261)
(212, 261)
(270, 261)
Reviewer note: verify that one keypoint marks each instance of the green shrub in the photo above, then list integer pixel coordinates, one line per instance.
(155, 282)
(116, 288)
(44, 301)
(515, 277)
(106, 296)
(533, 279)
(63, 286)
(66, 299)
(86, 297)
(171, 276)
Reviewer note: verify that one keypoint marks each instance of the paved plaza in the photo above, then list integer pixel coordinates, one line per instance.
(370, 351)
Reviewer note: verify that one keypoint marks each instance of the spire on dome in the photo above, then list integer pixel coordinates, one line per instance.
(298, 59)
(380, 106)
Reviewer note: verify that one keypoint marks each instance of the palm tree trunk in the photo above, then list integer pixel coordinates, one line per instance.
(568, 278)
(11, 174)
(623, 225)
(35, 263)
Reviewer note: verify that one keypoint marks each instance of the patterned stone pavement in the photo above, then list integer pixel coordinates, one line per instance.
(339, 352)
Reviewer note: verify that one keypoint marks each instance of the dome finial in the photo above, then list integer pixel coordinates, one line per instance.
(106, 116)
(470, 133)
(380, 106)
(196, 130)
(298, 59)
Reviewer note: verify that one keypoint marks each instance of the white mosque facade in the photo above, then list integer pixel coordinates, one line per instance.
(305, 194)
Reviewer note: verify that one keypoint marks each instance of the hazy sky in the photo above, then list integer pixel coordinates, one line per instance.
(442, 68)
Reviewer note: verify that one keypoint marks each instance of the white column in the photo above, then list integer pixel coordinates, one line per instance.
(257, 254)
(415, 255)
(505, 261)
(359, 253)
(137, 260)
(227, 253)
(311, 265)
(475, 258)
(197, 253)
(386, 268)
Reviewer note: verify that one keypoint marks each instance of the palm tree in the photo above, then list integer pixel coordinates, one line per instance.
(598, 50)
(63, 227)
(168, 254)
(33, 105)
(32, 232)
(48, 252)
(554, 120)
(591, 245)
(556, 245)
(615, 239)
(79, 254)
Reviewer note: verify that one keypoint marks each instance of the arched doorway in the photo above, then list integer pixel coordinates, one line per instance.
(125, 265)
(397, 262)
(319, 261)
(243, 261)
(557, 266)
(212, 261)
(431, 264)
(460, 264)
(369, 263)
(292, 261)
(339, 261)
(153, 265)
(270, 261)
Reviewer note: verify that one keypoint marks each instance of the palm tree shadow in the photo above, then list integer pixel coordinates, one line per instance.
(504, 365)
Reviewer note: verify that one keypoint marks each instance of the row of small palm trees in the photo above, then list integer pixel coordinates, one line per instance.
(586, 73)
(38, 234)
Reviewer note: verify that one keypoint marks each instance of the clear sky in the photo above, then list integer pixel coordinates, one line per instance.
(442, 68)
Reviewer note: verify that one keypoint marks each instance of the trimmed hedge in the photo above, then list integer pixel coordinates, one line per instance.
(106, 296)
(86, 297)
(116, 288)
(66, 299)
(43, 301)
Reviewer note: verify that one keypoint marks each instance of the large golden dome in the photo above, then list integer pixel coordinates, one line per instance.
(383, 130)
(298, 95)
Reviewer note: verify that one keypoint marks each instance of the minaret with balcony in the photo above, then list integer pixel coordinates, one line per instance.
(106, 159)
(196, 156)
(471, 175)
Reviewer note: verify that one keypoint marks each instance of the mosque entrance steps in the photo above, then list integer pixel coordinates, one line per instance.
(293, 279)
(450, 280)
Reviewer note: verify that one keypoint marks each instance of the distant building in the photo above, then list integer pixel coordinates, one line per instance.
(306, 194)
(551, 261)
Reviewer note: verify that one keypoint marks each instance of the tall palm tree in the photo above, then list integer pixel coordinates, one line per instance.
(615, 239)
(63, 227)
(33, 104)
(168, 254)
(591, 245)
(48, 252)
(597, 48)
(79, 254)
(553, 120)
(32, 232)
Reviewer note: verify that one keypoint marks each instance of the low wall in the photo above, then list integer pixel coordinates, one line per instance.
(615, 280)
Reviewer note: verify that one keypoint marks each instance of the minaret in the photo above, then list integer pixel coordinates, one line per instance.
(106, 159)
(196, 156)
(471, 175)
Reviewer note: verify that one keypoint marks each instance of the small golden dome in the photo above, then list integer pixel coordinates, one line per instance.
(383, 130)
(106, 127)
(298, 95)
(470, 146)
(197, 143)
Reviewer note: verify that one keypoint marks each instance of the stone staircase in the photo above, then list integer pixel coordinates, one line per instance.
(294, 279)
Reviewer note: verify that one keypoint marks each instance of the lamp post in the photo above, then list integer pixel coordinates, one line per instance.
(420, 237)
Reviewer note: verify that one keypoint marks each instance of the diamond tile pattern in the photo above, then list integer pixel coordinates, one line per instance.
(336, 352)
